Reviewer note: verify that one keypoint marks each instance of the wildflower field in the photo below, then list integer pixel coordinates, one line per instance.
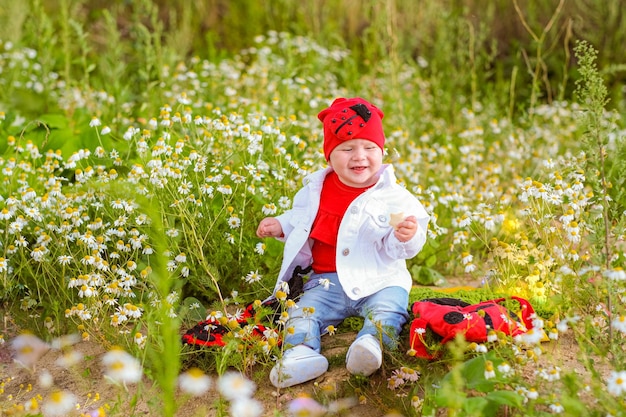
(139, 150)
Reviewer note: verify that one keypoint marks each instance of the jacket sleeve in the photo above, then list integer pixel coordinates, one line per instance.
(406, 250)
(300, 206)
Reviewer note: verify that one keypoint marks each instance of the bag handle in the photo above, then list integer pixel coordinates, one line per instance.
(527, 310)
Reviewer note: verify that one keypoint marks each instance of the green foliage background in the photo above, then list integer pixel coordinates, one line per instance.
(506, 51)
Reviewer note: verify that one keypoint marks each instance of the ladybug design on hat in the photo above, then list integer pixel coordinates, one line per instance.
(351, 118)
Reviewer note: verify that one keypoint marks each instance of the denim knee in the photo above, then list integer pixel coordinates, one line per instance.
(385, 312)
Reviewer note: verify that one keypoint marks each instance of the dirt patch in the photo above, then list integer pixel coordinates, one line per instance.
(92, 390)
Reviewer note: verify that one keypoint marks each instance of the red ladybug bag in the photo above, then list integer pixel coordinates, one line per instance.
(447, 317)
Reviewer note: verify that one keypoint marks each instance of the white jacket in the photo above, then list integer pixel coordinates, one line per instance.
(369, 256)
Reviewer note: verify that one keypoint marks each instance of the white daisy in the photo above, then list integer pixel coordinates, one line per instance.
(195, 382)
(233, 386)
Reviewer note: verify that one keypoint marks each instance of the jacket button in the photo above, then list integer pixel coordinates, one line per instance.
(354, 210)
(356, 291)
(345, 252)
(382, 218)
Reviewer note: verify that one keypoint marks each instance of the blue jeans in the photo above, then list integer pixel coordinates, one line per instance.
(384, 312)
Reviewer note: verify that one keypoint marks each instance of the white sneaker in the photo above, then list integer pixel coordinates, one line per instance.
(299, 364)
(364, 356)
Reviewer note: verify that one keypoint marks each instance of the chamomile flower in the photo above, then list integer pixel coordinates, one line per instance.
(269, 209)
(253, 276)
(95, 122)
(505, 369)
(59, 403)
(466, 258)
(45, 379)
(27, 349)
(551, 374)
(284, 202)
(553, 334)
(325, 283)
(556, 408)
(234, 222)
(4, 265)
(616, 274)
(140, 340)
(225, 189)
(246, 407)
(489, 370)
(408, 374)
(394, 381)
(233, 385)
(619, 323)
(284, 317)
(121, 367)
(304, 405)
(69, 359)
(478, 347)
(532, 394)
(195, 382)
(531, 337)
(260, 248)
(616, 383)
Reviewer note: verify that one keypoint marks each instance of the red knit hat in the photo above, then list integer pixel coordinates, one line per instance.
(351, 118)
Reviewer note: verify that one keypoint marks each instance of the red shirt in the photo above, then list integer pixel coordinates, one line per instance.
(334, 201)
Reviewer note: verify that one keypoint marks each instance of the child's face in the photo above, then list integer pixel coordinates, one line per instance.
(357, 162)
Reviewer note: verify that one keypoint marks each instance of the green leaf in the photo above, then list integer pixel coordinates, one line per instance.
(475, 406)
(64, 140)
(508, 398)
(473, 373)
(574, 406)
(426, 276)
(433, 243)
(189, 311)
(54, 121)
(450, 396)
(431, 261)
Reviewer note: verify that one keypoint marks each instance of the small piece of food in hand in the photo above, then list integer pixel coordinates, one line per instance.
(396, 219)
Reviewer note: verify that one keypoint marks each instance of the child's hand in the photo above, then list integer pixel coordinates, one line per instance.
(269, 227)
(406, 229)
